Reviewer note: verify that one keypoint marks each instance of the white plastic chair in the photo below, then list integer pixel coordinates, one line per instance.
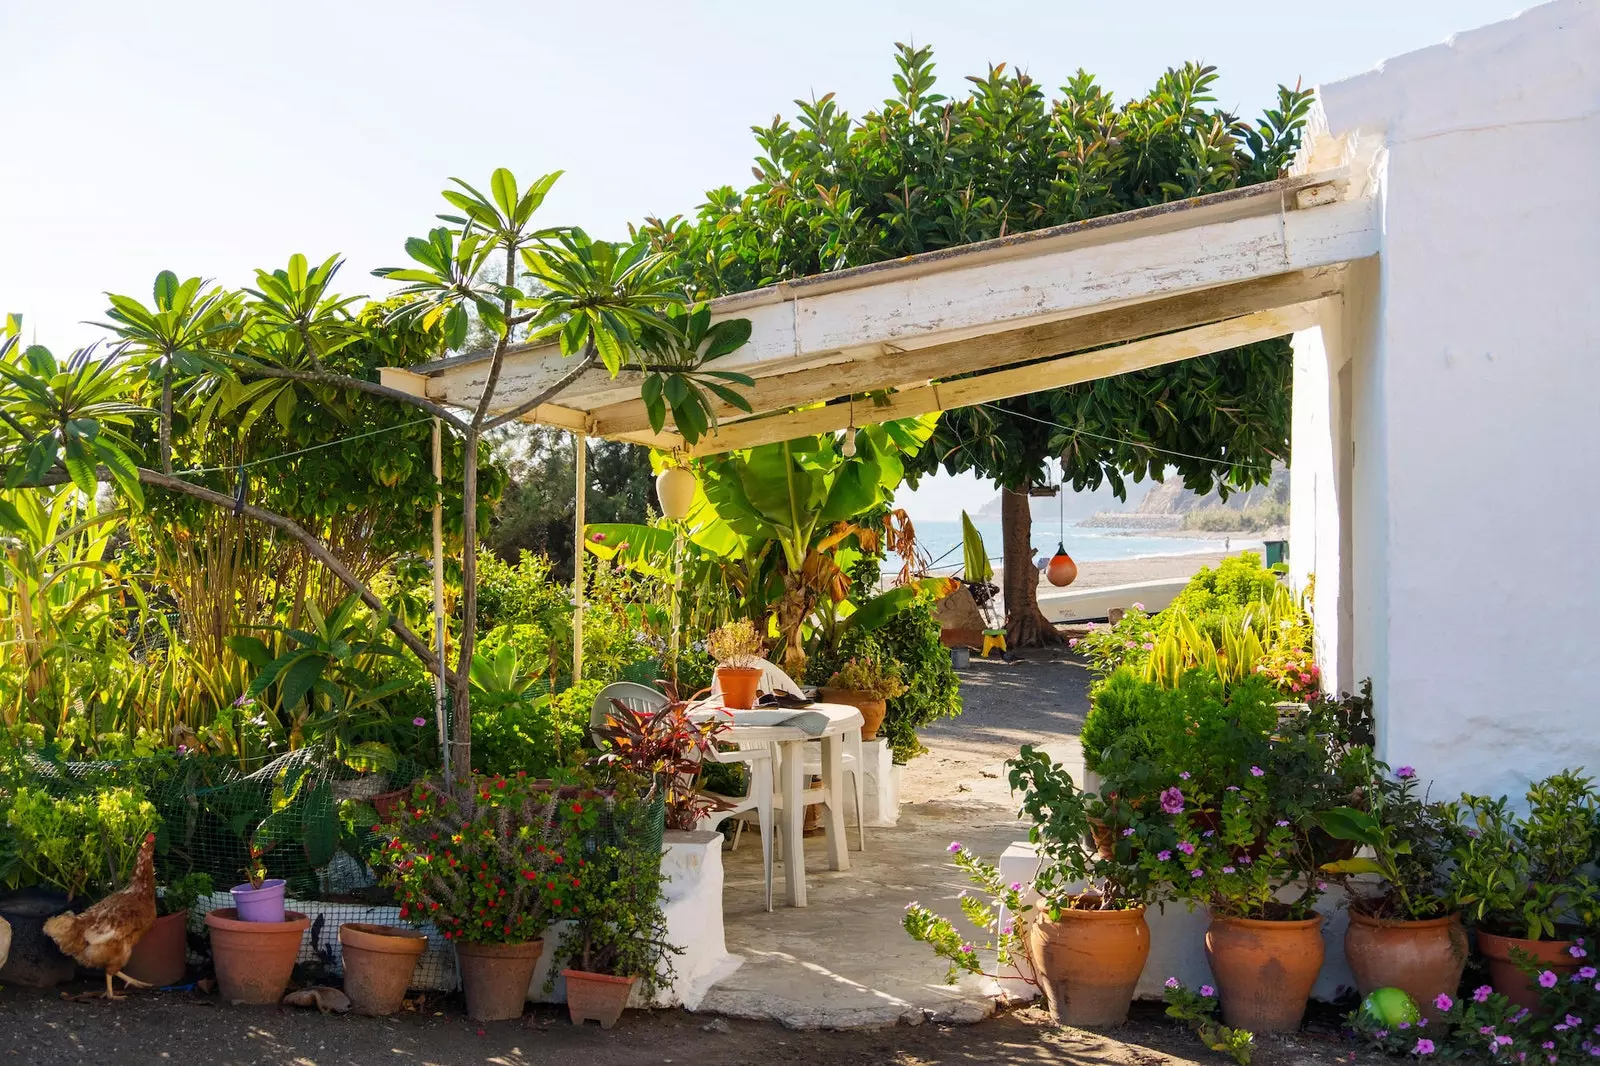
(757, 759)
(852, 761)
(641, 699)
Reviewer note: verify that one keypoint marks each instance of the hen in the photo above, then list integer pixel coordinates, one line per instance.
(103, 936)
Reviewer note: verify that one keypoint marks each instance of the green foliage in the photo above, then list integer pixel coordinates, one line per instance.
(1406, 841)
(1088, 858)
(983, 911)
(1238, 581)
(1522, 875)
(542, 735)
(870, 676)
(1199, 1011)
(1263, 516)
(84, 845)
(1121, 705)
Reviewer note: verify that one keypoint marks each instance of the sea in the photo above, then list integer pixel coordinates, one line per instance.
(941, 540)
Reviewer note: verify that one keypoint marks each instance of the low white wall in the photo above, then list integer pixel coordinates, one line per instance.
(1069, 605)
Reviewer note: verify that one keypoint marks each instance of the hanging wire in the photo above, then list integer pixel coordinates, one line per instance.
(241, 467)
(1120, 440)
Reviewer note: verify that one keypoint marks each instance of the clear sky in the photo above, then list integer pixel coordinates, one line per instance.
(211, 138)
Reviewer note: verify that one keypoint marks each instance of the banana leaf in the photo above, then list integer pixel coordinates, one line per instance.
(975, 560)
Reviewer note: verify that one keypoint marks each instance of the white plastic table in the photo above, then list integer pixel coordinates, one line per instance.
(790, 742)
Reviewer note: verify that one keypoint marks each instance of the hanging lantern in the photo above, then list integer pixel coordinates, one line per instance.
(1062, 571)
(675, 489)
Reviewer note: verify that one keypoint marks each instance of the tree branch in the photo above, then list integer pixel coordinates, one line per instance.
(373, 388)
(545, 394)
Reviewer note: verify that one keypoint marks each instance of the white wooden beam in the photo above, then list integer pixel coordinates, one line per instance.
(1017, 381)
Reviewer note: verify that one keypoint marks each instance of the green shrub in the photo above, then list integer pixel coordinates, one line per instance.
(542, 735)
(1238, 581)
(1197, 727)
(1119, 705)
(84, 845)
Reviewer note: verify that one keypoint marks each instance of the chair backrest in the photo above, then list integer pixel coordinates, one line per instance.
(640, 699)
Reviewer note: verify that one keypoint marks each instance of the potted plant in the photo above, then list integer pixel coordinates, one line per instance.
(738, 650)
(1405, 928)
(668, 748)
(1519, 878)
(161, 957)
(1235, 853)
(610, 893)
(255, 956)
(1090, 940)
(480, 861)
(378, 963)
(260, 898)
(866, 683)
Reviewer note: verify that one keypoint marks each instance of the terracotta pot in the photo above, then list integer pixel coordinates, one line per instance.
(386, 803)
(1509, 980)
(1264, 970)
(254, 959)
(1423, 958)
(1089, 962)
(872, 710)
(34, 960)
(597, 997)
(495, 978)
(740, 686)
(378, 963)
(161, 957)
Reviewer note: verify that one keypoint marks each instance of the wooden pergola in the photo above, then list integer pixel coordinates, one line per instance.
(981, 322)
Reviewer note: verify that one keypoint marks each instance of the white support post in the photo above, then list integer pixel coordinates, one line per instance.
(438, 596)
(581, 467)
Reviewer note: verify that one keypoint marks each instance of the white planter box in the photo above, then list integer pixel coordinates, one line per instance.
(880, 786)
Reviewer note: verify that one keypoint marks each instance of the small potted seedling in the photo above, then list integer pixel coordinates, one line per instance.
(255, 955)
(738, 650)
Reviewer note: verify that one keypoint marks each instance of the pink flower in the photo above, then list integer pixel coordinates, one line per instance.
(1172, 982)
(1481, 994)
(598, 538)
(1576, 951)
(1256, 771)
(1184, 775)
(1405, 773)
(1207, 990)
(1073, 643)
(1186, 847)
(1547, 979)
(1443, 1002)
(1172, 801)
(1138, 607)
(1424, 1047)
(1282, 822)
(1128, 832)
(1197, 872)
(1016, 886)
(419, 721)
(1228, 870)
(1149, 647)
(955, 846)
(1163, 855)
(1587, 973)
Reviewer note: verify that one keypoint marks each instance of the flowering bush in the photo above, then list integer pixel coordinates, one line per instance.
(1199, 1011)
(1409, 840)
(479, 861)
(1127, 643)
(1004, 939)
(1229, 852)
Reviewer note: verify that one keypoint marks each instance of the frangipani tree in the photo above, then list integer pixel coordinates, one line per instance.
(276, 345)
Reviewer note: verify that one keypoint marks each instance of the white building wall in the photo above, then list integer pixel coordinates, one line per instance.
(1475, 403)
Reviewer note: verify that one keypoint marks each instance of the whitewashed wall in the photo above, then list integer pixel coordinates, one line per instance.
(1474, 405)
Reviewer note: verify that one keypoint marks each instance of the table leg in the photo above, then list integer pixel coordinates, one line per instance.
(792, 777)
(833, 807)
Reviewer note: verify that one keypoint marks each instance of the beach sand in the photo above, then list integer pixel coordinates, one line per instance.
(1093, 575)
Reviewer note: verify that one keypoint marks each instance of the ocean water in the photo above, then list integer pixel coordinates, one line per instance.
(941, 540)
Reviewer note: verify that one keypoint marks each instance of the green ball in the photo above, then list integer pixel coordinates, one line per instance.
(1390, 1006)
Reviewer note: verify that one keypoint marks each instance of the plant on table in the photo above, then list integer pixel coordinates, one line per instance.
(736, 644)
(668, 748)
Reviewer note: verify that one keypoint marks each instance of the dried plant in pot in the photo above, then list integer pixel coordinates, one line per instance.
(478, 860)
(738, 650)
(1405, 927)
(866, 683)
(610, 893)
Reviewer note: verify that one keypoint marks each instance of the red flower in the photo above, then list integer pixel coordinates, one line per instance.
(530, 875)
(577, 808)
(558, 903)
(558, 860)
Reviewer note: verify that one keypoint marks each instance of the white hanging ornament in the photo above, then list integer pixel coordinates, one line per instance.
(675, 489)
(849, 445)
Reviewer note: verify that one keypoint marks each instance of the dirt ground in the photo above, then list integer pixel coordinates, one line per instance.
(40, 1029)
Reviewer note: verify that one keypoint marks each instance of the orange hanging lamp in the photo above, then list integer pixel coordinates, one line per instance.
(1062, 571)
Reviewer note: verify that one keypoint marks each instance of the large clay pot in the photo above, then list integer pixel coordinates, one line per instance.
(740, 686)
(254, 959)
(161, 957)
(1264, 970)
(495, 978)
(1089, 963)
(34, 960)
(1424, 958)
(378, 963)
(1508, 978)
(597, 997)
(872, 710)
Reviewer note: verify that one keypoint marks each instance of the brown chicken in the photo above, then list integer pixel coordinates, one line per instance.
(103, 936)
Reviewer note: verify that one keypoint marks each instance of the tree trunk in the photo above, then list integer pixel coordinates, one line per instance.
(1026, 625)
(461, 694)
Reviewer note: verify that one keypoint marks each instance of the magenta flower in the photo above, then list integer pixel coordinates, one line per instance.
(419, 721)
(1073, 643)
(1282, 823)
(1443, 1002)
(598, 538)
(1424, 1047)
(1163, 855)
(1227, 869)
(1172, 982)
(1128, 832)
(1172, 801)
(1186, 847)
(1233, 788)
(1481, 994)
(1587, 973)
(966, 949)
(1184, 775)
(1016, 886)
(1547, 979)
(1256, 771)
(1576, 951)
(1207, 990)
(1197, 872)
(955, 846)
(1405, 773)
(1138, 607)
(1149, 647)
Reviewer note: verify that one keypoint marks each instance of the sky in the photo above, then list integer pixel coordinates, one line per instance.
(213, 138)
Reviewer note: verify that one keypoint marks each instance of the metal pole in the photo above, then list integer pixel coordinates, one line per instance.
(581, 468)
(438, 596)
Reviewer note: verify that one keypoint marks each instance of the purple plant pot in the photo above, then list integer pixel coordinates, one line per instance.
(264, 904)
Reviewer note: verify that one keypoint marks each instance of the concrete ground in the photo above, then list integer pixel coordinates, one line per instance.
(844, 962)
